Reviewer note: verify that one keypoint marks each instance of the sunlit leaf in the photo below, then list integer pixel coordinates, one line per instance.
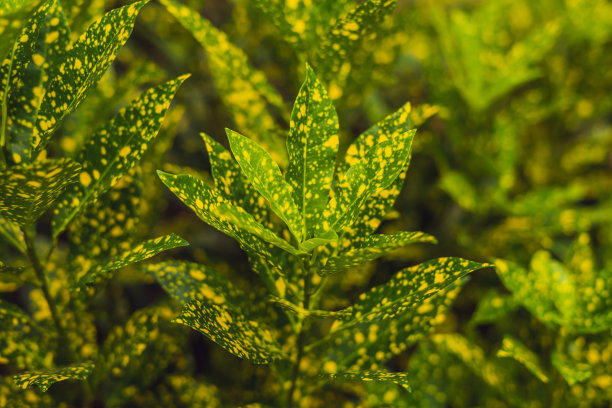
(493, 306)
(400, 379)
(115, 149)
(312, 145)
(513, 348)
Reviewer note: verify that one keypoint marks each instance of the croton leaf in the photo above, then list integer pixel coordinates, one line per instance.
(400, 379)
(114, 149)
(346, 32)
(513, 348)
(11, 233)
(407, 289)
(244, 89)
(139, 253)
(492, 307)
(228, 328)
(264, 174)
(379, 167)
(85, 63)
(28, 190)
(573, 372)
(372, 248)
(45, 378)
(13, 17)
(312, 146)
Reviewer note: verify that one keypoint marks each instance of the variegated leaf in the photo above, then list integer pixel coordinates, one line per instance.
(46, 378)
(493, 306)
(139, 253)
(407, 289)
(27, 191)
(400, 379)
(85, 63)
(114, 149)
(263, 173)
(372, 248)
(243, 338)
(13, 17)
(513, 348)
(11, 233)
(244, 89)
(312, 145)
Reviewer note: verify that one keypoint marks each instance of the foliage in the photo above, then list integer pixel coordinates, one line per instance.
(309, 282)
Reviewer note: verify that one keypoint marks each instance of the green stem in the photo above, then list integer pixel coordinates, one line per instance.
(40, 274)
(301, 336)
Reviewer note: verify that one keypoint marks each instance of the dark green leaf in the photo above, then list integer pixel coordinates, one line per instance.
(114, 149)
(27, 191)
(45, 378)
(243, 338)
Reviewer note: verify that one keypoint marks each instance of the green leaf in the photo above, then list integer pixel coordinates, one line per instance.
(346, 32)
(27, 191)
(377, 170)
(312, 146)
(264, 174)
(231, 183)
(45, 378)
(229, 329)
(322, 239)
(139, 253)
(400, 379)
(513, 348)
(212, 209)
(372, 248)
(115, 149)
(12, 234)
(13, 17)
(186, 281)
(407, 289)
(84, 65)
(35, 58)
(573, 372)
(243, 89)
(492, 307)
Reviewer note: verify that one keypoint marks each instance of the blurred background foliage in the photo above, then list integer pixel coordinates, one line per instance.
(512, 160)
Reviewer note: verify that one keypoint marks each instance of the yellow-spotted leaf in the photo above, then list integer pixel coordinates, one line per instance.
(81, 13)
(493, 306)
(10, 233)
(114, 149)
(46, 378)
(376, 171)
(400, 379)
(379, 204)
(320, 240)
(373, 247)
(139, 253)
(312, 145)
(85, 63)
(243, 89)
(27, 191)
(35, 58)
(370, 345)
(572, 371)
(215, 211)
(229, 329)
(263, 173)
(231, 183)
(13, 17)
(346, 32)
(513, 348)
(407, 289)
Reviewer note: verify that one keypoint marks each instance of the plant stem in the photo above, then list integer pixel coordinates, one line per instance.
(301, 336)
(40, 274)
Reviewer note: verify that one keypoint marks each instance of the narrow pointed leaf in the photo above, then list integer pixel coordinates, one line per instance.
(346, 32)
(13, 17)
(46, 378)
(373, 247)
(312, 145)
(11, 233)
(243, 338)
(492, 307)
(244, 89)
(572, 371)
(377, 170)
(27, 191)
(407, 289)
(400, 379)
(85, 63)
(114, 149)
(513, 348)
(323, 239)
(264, 174)
(139, 253)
